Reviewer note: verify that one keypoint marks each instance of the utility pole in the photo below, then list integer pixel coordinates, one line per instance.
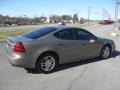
(89, 11)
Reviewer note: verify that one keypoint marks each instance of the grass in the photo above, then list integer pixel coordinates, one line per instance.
(4, 34)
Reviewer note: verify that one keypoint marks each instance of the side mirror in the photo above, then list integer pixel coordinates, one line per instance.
(92, 40)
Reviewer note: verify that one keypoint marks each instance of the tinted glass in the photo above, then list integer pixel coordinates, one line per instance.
(67, 34)
(40, 32)
(84, 35)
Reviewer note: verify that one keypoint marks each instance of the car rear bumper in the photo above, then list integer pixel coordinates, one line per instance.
(17, 59)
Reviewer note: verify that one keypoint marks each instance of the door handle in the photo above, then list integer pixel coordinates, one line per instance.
(60, 44)
(84, 44)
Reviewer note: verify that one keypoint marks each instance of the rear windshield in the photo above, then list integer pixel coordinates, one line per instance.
(40, 32)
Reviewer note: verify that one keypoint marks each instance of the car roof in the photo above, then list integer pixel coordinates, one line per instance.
(60, 27)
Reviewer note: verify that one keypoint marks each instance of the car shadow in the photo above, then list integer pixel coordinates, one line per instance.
(79, 63)
(115, 54)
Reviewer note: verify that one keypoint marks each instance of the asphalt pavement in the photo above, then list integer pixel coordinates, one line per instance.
(91, 74)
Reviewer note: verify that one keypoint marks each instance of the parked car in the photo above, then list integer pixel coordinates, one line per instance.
(62, 23)
(44, 49)
(105, 22)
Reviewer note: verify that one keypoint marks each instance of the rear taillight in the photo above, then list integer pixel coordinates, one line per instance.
(19, 47)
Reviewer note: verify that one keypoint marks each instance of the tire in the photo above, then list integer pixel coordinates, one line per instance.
(47, 63)
(105, 52)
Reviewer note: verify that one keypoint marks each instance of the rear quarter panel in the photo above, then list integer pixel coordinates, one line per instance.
(36, 47)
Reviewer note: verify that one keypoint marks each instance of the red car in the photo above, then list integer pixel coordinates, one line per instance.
(106, 22)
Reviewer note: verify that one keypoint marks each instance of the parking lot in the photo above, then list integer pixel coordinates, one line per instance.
(91, 74)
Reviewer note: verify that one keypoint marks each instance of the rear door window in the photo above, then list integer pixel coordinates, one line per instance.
(67, 34)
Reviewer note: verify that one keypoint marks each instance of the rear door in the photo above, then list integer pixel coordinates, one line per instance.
(66, 45)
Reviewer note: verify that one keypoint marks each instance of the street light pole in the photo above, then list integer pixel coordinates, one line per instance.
(116, 25)
(116, 13)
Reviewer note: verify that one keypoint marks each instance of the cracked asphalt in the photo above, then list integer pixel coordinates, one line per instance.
(91, 74)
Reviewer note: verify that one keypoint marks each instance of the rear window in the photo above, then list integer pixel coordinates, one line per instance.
(40, 32)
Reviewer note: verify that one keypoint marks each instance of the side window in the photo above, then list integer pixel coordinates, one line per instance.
(83, 35)
(65, 34)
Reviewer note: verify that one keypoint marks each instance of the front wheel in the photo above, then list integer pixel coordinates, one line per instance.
(47, 63)
(105, 53)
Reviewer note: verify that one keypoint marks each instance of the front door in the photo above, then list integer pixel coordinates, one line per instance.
(86, 44)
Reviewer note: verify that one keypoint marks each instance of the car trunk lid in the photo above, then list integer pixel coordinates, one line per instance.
(12, 40)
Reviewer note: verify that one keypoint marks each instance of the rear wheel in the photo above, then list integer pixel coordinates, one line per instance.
(105, 53)
(47, 63)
